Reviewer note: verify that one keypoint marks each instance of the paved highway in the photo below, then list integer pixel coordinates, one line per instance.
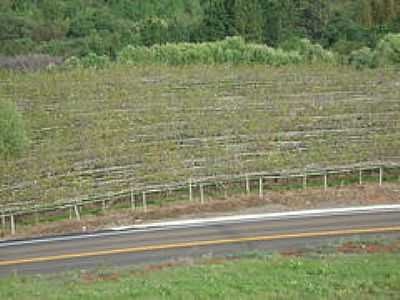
(176, 240)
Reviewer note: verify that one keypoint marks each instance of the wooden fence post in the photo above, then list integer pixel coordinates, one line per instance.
(201, 194)
(260, 186)
(325, 181)
(144, 202)
(36, 217)
(360, 181)
(3, 221)
(12, 223)
(103, 205)
(190, 190)
(77, 214)
(304, 181)
(247, 185)
(380, 176)
(133, 206)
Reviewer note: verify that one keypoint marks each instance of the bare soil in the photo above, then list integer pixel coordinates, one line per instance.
(369, 247)
(273, 201)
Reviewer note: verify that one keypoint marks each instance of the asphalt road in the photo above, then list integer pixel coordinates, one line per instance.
(166, 242)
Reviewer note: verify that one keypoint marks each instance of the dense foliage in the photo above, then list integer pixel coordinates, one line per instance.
(104, 27)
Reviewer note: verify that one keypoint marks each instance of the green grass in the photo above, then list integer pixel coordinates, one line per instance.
(97, 131)
(329, 276)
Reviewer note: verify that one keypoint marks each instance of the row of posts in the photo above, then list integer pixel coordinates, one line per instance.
(261, 184)
(76, 209)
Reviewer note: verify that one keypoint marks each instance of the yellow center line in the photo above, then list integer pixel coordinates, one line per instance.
(200, 243)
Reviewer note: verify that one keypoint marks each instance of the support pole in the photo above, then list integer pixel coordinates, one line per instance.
(36, 217)
(3, 221)
(12, 222)
(304, 181)
(247, 185)
(103, 206)
(260, 186)
(190, 190)
(201, 194)
(325, 181)
(380, 176)
(360, 181)
(133, 206)
(77, 214)
(144, 202)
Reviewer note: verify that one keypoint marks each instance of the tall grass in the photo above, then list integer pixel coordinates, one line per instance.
(230, 50)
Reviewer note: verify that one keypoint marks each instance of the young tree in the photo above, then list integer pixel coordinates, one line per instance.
(12, 134)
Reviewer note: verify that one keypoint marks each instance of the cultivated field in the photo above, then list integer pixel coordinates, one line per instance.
(96, 131)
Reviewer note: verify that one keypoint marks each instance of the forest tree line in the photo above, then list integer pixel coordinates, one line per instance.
(79, 27)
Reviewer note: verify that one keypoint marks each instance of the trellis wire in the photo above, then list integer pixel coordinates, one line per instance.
(75, 205)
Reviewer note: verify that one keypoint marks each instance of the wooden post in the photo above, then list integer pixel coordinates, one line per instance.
(36, 217)
(360, 177)
(77, 214)
(325, 181)
(224, 185)
(247, 185)
(304, 181)
(3, 221)
(144, 202)
(133, 206)
(12, 222)
(380, 176)
(201, 194)
(260, 186)
(70, 212)
(190, 190)
(103, 205)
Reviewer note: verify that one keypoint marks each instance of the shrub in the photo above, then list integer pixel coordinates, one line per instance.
(387, 51)
(311, 53)
(12, 134)
(92, 60)
(361, 58)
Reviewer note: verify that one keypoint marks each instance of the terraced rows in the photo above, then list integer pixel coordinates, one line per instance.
(94, 131)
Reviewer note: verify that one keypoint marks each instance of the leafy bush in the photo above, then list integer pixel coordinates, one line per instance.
(92, 60)
(311, 53)
(12, 134)
(387, 51)
(362, 58)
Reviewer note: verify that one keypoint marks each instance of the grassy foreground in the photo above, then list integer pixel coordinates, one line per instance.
(334, 276)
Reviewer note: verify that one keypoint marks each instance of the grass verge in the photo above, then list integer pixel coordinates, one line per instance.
(352, 270)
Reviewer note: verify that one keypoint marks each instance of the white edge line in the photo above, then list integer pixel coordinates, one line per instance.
(161, 226)
(278, 215)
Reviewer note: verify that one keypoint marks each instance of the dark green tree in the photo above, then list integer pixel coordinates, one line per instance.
(217, 22)
(248, 19)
